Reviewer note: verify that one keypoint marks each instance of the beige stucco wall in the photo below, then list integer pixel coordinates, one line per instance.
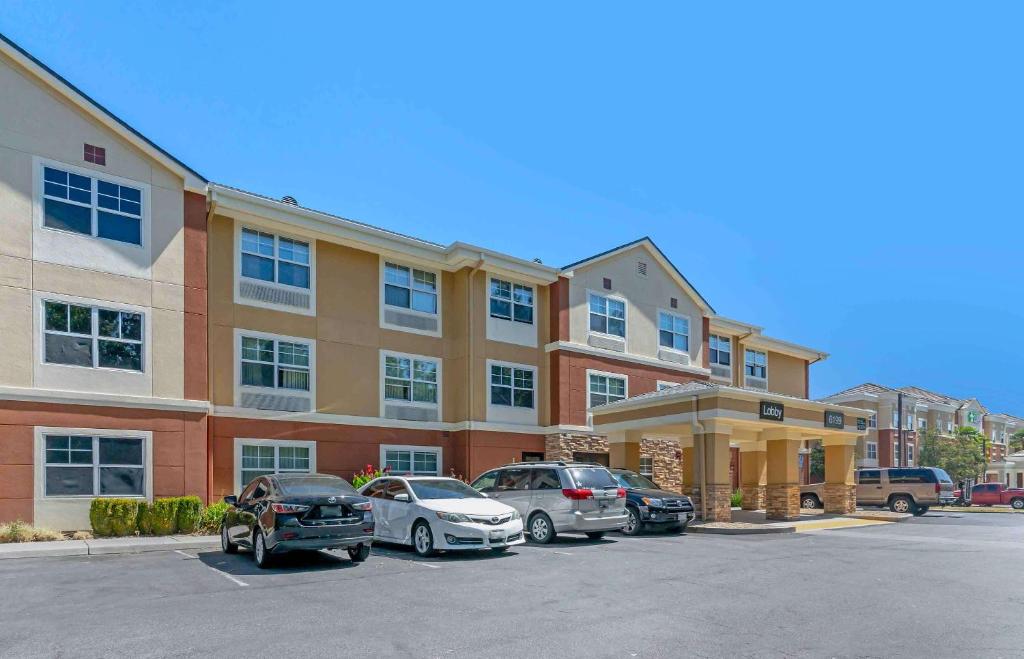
(37, 123)
(644, 297)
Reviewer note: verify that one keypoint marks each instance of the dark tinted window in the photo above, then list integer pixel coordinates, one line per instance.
(513, 479)
(911, 476)
(486, 482)
(593, 477)
(546, 479)
(315, 486)
(247, 492)
(943, 476)
(260, 490)
(869, 477)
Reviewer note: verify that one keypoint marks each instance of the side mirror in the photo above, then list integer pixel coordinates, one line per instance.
(231, 500)
(402, 497)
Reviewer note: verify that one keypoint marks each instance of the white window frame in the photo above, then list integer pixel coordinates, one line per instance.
(873, 420)
(871, 447)
(275, 390)
(910, 455)
(606, 374)
(640, 467)
(895, 453)
(625, 315)
(237, 254)
(688, 335)
(512, 388)
(277, 258)
(922, 423)
(41, 433)
(438, 278)
(711, 353)
(384, 354)
(754, 378)
(95, 335)
(277, 444)
(40, 194)
(512, 300)
(439, 451)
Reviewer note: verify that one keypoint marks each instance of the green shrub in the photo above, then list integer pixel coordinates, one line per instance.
(210, 520)
(159, 517)
(737, 498)
(115, 517)
(190, 509)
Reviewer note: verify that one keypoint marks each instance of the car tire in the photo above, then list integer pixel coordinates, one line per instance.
(226, 545)
(423, 539)
(359, 553)
(259, 551)
(809, 501)
(902, 504)
(542, 531)
(920, 510)
(1017, 504)
(633, 524)
(595, 535)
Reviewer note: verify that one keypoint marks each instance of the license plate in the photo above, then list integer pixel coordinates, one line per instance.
(603, 505)
(331, 512)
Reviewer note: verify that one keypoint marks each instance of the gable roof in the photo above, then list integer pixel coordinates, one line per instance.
(663, 260)
(867, 388)
(931, 396)
(193, 180)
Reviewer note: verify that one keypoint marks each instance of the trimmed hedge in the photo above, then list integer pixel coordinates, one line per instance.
(159, 517)
(115, 517)
(190, 510)
(212, 517)
(121, 517)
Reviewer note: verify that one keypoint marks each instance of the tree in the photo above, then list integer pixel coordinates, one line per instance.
(817, 466)
(1016, 442)
(962, 456)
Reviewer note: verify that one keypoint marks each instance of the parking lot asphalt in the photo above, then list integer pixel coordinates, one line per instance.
(944, 585)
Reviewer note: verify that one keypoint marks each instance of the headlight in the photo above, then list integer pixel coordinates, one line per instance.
(516, 515)
(656, 503)
(458, 518)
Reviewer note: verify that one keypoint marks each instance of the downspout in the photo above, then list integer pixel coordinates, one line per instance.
(469, 365)
(698, 428)
(209, 369)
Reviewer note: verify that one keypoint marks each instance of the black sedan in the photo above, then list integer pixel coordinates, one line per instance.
(649, 506)
(290, 512)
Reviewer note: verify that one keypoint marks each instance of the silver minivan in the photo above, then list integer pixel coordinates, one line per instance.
(559, 497)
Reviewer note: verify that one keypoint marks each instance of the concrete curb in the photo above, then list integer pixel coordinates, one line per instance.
(106, 546)
(732, 530)
(880, 516)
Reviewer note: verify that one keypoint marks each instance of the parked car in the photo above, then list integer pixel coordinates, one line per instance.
(433, 513)
(649, 506)
(902, 490)
(559, 497)
(289, 512)
(994, 494)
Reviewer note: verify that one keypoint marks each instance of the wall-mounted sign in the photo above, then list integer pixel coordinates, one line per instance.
(772, 411)
(835, 420)
(862, 423)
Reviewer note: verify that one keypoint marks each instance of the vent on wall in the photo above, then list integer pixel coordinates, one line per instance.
(607, 284)
(410, 413)
(273, 295)
(721, 371)
(641, 268)
(411, 321)
(275, 402)
(760, 385)
(674, 303)
(97, 155)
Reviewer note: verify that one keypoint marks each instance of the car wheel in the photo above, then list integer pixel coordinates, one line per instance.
(423, 539)
(359, 553)
(920, 510)
(809, 501)
(259, 551)
(633, 524)
(901, 505)
(541, 530)
(226, 545)
(1017, 504)
(595, 535)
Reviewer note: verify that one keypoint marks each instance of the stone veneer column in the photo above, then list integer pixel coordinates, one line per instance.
(840, 487)
(754, 475)
(783, 491)
(714, 455)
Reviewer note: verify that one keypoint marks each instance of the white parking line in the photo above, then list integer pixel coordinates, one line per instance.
(220, 572)
(563, 553)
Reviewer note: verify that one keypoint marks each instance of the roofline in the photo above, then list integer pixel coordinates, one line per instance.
(732, 325)
(645, 240)
(785, 347)
(451, 257)
(194, 181)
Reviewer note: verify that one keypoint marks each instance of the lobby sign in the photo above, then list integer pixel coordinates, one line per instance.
(772, 411)
(835, 420)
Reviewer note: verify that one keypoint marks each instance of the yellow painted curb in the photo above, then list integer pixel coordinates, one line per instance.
(837, 524)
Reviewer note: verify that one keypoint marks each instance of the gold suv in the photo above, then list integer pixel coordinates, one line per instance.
(901, 490)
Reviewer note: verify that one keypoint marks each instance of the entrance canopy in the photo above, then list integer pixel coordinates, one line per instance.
(769, 429)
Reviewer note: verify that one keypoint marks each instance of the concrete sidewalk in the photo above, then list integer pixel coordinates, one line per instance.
(132, 545)
(754, 522)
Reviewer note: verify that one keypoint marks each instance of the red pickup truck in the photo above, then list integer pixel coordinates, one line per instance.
(994, 494)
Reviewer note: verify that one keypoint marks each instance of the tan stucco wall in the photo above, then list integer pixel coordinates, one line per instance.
(36, 122)
(787, 375)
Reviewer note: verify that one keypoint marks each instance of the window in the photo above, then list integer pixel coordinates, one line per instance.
(606, 389)
(275, 259)
(912, 476)
(545, 479)
(410, 288)
(412, 461)
(895, 454)
(95, 154)
(895, 419)
(607, 315)
(81, 465)
(721, 350)
(79, 335)
(673, 332)
(647, 466)
(511, 386)
(910, 422)
(275, 364)
(409, 379)
(511, 301)
(910, 455)
(872, 450)
(949, 427)
(869, 477)
(276, 457)
(756, 364)
(873, 421)
(922, 423)
(91, 206)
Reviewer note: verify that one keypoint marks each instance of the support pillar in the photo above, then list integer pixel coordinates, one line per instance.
(840, 487)
(624, 455)
(754, 475)
(714, 458)
(783, 470)
(689, 472)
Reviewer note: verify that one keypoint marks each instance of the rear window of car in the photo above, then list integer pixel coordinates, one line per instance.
(942, 475)
(588, 477)
(315, 486)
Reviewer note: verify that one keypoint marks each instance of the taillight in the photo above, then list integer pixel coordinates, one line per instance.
(621, 494)
(938, 489)
(288, 508)
(577, 494)
(364, 505)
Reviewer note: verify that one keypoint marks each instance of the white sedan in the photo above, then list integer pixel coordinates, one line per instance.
(432, 513)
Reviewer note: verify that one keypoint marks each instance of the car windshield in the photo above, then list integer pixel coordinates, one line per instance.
(315, 486)
(635, 481)
(943, 476)
(593, 477)
(443, 488)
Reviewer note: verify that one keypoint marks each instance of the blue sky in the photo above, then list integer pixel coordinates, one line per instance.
(847, 176)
